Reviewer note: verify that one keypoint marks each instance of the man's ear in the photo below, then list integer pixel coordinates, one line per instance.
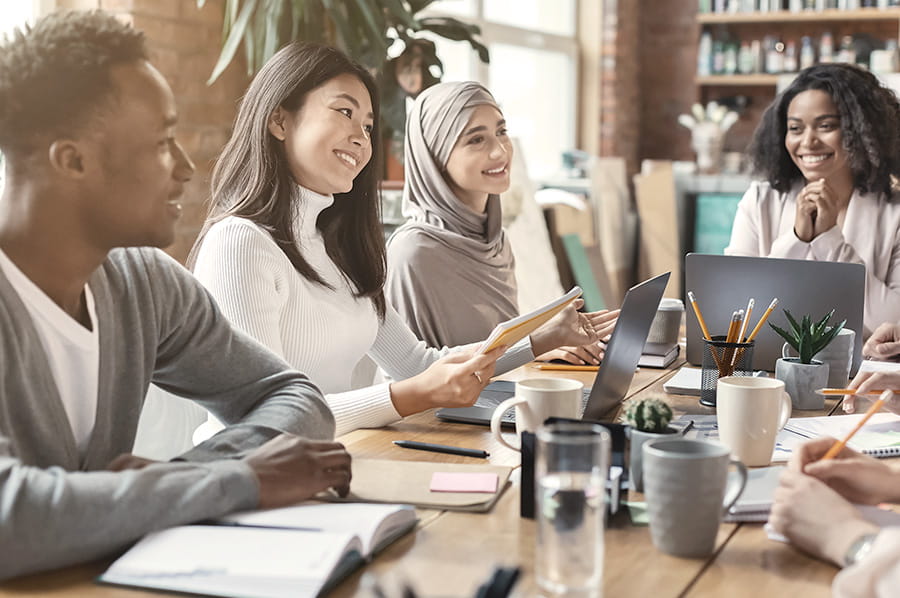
(66, 158)
(276, 124)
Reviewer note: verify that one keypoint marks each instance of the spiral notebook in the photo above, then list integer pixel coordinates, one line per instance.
(879, 437)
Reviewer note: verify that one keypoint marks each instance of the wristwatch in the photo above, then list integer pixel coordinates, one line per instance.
(859, 549)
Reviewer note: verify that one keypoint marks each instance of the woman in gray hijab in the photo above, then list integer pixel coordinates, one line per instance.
(450, 267)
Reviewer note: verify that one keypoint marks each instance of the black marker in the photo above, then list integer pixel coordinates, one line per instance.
(443, 448)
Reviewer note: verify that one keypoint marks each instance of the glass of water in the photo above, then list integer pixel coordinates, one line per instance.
(571, 470)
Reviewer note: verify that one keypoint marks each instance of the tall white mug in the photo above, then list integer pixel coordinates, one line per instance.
(751, 411)
(537, 399)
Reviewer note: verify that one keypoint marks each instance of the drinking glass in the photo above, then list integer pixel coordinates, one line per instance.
(572, 466)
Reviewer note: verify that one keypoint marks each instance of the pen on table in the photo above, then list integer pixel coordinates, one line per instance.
(840, 444)
(687, 428)
(443, 448)
(567, 367)
(830, 392)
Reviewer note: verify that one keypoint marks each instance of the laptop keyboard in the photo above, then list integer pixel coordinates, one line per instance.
(500, 390)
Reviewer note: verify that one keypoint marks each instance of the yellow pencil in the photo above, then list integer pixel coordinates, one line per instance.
(746, 324)
(840, 444)
(830, 392)
(762, 320)
(566, 367)
(699, 315)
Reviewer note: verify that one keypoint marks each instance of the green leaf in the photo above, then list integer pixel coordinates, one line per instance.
(349, 38)
(272, 40)
(396, 8)
(805, 350)
(794, 325)
(377, 29)
(234, 39)
(829, 336)
(787, 336)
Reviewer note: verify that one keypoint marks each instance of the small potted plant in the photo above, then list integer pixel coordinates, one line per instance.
(646, 419)
(803, 375)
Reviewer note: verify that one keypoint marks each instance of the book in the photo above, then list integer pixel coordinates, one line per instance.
(686, 381)
(409, 482)
(295, 551)
(879, 437)
(512, 331)
(658, 360)
(756, 500)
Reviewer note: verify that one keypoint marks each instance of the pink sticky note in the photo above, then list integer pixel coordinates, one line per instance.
(445, 481)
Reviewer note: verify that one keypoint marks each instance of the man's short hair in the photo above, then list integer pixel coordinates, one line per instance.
(55, 74)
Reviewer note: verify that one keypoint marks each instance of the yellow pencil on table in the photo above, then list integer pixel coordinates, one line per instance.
(762, 320)
(831, 392)
(567, 367)
(838, 446)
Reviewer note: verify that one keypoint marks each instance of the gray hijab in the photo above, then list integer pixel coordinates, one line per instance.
(450, 269)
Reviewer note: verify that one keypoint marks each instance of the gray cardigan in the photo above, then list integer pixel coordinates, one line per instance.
(156, 324)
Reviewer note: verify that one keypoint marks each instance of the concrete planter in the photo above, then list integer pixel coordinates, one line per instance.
(637, 439)
(801, 380)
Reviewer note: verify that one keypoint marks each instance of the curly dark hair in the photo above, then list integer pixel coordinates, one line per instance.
(870, 128)
(55, 75)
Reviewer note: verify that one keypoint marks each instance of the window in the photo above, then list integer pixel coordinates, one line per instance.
(14, 14)
(532, 73)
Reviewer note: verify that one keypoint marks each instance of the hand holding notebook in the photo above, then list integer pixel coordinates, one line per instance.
(512, 331)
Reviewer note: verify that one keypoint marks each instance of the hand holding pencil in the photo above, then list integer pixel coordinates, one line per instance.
(868, 383)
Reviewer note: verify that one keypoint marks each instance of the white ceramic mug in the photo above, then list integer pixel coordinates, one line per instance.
(537, 399)
(751, 411)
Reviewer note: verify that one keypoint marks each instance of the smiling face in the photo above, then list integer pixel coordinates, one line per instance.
(814, 139)
(479, 163)
(135, 170)
(327, 140)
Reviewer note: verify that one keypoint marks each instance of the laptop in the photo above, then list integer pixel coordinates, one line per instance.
(723, 284)
(614, 375)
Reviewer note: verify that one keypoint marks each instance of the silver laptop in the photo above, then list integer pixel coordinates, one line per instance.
(614, 375)
(723, 284)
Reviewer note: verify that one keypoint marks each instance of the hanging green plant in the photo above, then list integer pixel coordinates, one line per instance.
(363, 29)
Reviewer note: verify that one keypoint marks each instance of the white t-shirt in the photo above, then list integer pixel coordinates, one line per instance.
(72, 350)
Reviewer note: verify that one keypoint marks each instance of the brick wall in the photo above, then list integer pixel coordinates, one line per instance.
(184, 43)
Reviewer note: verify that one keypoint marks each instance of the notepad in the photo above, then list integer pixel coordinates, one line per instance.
(512, 331)
(756, 500)
(879, 437)
(298, 551)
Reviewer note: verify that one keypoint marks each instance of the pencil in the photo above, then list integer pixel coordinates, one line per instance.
(840, 444)
(830, 392)
(762, 320)
(566, 367)
(728, 355)
(746, 324)
(699, 315)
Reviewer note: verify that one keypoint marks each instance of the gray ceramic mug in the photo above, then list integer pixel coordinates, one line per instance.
(685, 485)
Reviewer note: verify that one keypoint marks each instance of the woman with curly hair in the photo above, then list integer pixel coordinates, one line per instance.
(828, 151)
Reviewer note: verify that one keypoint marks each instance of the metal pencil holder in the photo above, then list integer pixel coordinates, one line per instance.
(722, 359)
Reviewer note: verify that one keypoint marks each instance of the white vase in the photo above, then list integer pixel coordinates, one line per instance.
(802, 380)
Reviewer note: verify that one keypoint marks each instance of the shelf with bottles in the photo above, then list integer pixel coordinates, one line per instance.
(803, 16)
(757, 58)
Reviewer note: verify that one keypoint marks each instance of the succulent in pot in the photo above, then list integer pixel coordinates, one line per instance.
(647, 419)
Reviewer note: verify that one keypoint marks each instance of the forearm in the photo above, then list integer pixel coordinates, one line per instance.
(52, 518)
(875, 576)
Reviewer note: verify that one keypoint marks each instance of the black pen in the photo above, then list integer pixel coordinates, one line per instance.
(443, 448)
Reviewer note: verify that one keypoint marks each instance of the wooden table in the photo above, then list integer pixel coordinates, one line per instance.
(452, 553)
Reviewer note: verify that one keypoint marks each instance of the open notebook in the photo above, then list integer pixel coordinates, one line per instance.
(296, 551)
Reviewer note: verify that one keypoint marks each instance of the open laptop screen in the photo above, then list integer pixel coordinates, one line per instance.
(723, 284)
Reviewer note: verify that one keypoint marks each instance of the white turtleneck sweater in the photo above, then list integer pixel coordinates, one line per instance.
(320, 331)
